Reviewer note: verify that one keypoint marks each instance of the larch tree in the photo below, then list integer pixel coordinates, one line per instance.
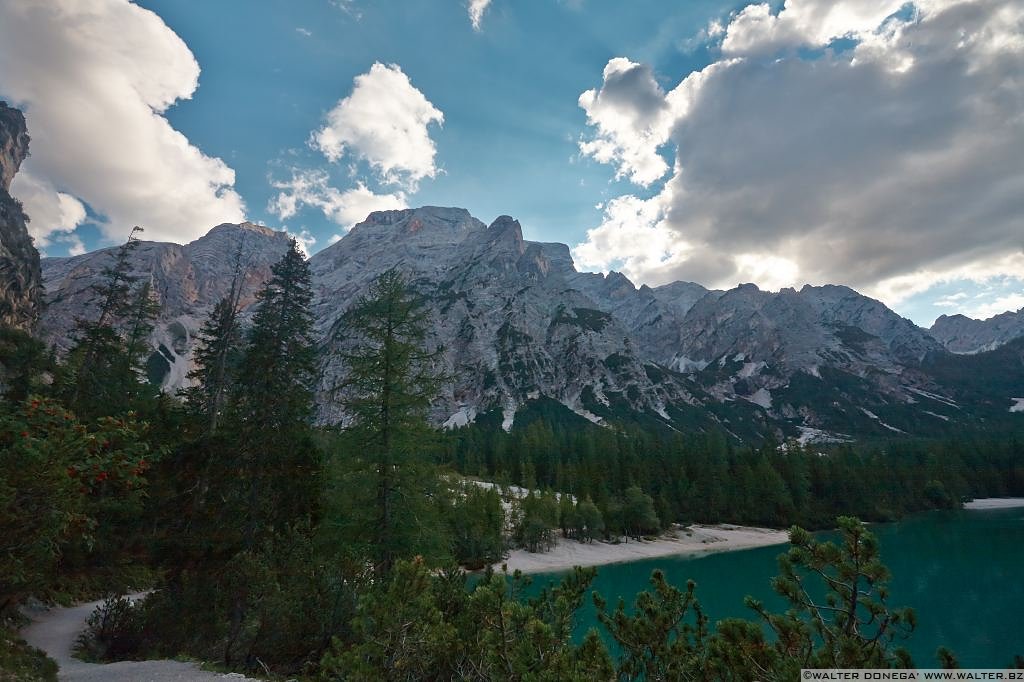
(389, 478)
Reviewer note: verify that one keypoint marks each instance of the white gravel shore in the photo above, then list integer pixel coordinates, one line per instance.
(995, 503)
(691, 540)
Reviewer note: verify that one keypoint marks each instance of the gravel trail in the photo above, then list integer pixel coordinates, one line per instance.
(55, 630)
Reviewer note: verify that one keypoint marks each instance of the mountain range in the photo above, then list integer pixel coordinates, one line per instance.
(519, 328)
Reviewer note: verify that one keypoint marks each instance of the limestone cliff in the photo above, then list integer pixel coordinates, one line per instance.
(21, 290)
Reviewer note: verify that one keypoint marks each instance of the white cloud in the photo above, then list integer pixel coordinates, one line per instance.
(50, 212)
(754, 30)
(77, 247)
(303, 31)
(889, 166)
(951, 300)
(1002, 304)
(386, 122)
(304, 239)
(476, 12)
(633, 119)
(633, 238)
(94, 77)
(346, 208)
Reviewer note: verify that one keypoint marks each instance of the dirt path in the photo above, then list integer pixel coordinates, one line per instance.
(55, 630)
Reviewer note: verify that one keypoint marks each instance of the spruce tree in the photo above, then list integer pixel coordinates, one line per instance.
(278, 484)
(218, 353)
(273, 398)
(95, 377)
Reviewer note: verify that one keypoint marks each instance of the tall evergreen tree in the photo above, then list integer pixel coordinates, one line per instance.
(390, 384)
(218, 353)
(272, 404)
(273, 397)
(98, 366)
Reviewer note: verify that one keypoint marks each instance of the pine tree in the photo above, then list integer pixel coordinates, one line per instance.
(390, 384)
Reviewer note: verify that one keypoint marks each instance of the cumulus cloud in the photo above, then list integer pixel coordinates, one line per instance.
(633, 118)
(94, 77)
(346, 208)
(385, 122)
(888, 163)
(999, 305)
(51, 213)
(754, 30)
(476, 12)
(633, 238)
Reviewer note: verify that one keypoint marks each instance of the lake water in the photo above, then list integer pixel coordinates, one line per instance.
(961, 571)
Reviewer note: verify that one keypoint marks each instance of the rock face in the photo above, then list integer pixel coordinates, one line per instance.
(517, 326)
(187, 280)
(511, 324)
(961, 334)
(20, 279)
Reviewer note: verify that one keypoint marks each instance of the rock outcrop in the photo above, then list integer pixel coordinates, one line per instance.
(965, 335)
(21, 290)
(186, 280)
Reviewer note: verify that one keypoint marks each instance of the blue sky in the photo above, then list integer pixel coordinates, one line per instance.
(508, 144)
(864, 142)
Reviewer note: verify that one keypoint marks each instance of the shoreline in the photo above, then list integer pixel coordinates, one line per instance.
(994, 503)
(692, 540)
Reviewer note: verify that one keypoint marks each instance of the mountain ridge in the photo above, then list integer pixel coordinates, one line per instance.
(515, 322)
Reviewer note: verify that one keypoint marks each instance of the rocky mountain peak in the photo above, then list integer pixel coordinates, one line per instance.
(433, 222)
(13, 143)
(243, 227)
(559, 256)
(967, 336)
(506, 229)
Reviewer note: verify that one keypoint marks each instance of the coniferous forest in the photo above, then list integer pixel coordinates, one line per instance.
(276, 547)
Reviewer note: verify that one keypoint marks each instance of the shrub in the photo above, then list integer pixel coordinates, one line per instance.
(113, 632)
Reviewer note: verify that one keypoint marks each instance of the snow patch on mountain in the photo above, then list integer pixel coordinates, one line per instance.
(762, 397)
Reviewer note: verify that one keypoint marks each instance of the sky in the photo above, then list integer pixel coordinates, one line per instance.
(873, 143)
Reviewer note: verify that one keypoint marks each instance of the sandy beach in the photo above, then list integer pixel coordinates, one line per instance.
(995, 503)
(697, 539)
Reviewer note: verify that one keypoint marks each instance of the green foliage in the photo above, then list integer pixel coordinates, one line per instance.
(852, 626)
(105, 369)
(589, 522)
(23, 360)
(218, 354)
(385, 477)
(70, 494)
(21, 663)
(477, 522)
(538, 519)
(664, 638)
(426, 626)
(705, 478)
(112, 632)
(638, 513)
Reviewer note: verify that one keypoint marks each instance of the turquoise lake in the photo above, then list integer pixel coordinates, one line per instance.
(961, 571)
